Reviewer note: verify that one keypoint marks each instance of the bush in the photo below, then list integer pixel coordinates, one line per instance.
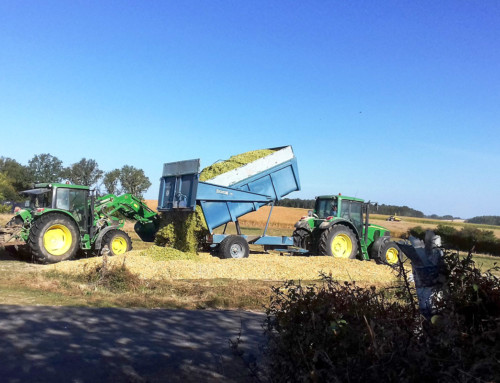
(481, 241)
(116, 278)
(340, 332)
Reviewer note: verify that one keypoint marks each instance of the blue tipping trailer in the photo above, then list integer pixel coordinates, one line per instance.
(227, 197)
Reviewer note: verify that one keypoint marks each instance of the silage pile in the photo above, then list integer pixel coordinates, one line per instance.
(159, 263)
(185, 230)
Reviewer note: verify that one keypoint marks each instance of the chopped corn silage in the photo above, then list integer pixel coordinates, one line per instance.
(185, 230)
(166, 264)
(233, 162)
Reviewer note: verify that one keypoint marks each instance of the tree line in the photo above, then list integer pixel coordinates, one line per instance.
(15, 177)
(486, 220)
(403, 211)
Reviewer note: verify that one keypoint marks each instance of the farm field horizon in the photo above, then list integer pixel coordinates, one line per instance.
(284, 218)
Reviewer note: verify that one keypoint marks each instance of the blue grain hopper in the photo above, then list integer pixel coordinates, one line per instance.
(230, 195)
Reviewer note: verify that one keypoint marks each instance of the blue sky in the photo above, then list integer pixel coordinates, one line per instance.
(393, 101)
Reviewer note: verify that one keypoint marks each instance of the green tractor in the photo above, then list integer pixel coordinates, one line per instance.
(58, 220)
(339, 227)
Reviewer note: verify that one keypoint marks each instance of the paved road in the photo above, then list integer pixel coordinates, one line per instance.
(70, 344)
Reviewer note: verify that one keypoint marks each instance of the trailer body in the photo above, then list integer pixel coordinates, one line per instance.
(227, 197)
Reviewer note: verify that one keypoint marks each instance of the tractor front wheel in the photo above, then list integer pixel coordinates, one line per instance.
(117, 241)
(338, 241)
(390, 253)
(54, 238)
(302, 238)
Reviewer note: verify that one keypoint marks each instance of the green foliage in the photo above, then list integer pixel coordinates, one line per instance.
(404, 211)
(7, 191)
(465, 239)
(486, 219)
(84, 172)
(133, 180)
(18, 174)
(111, 182)
(339, 332)
(45, 168)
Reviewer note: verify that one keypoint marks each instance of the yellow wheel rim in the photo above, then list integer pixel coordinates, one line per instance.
(391, 255)
(57, 240)
(341, 246)
(118, 245)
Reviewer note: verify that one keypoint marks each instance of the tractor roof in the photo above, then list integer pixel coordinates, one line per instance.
(58, 185)
(340, 197)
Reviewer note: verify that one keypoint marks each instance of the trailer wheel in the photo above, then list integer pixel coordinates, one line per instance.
(234, 246)
(54, 238)
(338, 241)
(390, 253)
(117, 241)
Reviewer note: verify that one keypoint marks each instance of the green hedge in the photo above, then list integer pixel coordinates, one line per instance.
(340, 332)
(480, 241)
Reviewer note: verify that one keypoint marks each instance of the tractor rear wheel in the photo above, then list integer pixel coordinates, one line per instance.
(54, 238)
(389, 253)
(234, 246)
(117, 241)
(338, 241)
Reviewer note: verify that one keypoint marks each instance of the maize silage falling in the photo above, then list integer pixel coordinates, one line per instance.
(185, 230)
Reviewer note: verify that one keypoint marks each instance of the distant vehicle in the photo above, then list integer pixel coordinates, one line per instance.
(394, 218)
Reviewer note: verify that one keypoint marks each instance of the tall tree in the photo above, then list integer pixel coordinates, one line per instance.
(134, 181)
(45, 168)
(111, 181)
(85, 172)
(18, 174)
(7, 191)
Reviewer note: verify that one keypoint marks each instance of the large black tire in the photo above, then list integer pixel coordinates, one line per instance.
(302, 238)
(338, 241)
(234, 246)
(390, 253)
(53, 238)
(118, 242)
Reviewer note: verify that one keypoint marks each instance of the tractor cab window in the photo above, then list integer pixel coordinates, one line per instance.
(352, 211)
(38, 198)
(327, 207)
(73, 200)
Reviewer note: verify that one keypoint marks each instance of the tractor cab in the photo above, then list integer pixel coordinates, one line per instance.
(329, 208)
(72, 199)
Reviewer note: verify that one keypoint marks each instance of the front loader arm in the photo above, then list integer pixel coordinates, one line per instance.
(131, 207)
(128, 205)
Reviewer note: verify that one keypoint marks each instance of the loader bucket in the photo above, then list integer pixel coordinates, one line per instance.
(146, 231)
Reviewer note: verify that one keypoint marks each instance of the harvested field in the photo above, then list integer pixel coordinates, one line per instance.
(282, 217)
(152, 204)
(147, 264)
